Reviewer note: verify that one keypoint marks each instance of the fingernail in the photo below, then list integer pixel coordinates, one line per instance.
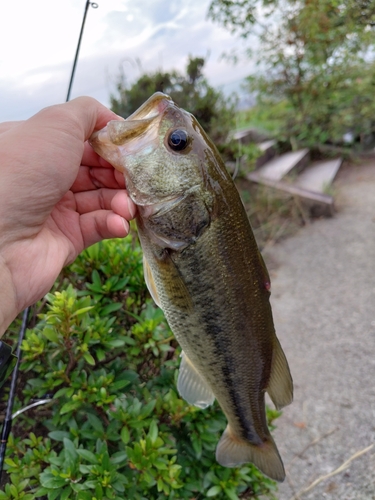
(126, 225)
(132, 208)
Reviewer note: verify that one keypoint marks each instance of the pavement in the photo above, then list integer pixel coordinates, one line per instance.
(323, 299)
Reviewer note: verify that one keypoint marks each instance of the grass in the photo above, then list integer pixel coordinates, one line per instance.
(262, 117)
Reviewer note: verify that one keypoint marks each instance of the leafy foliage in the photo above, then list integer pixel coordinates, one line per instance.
(115, 427)
(191, 91)
(318, 59)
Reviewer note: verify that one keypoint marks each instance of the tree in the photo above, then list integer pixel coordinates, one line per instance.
(318, 58)
(191, 91)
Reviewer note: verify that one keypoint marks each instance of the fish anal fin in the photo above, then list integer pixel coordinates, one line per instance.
(150, 282)
(280, 385)
(191, 386)
(233, 451)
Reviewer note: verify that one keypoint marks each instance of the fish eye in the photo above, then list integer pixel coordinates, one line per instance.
(178, 140)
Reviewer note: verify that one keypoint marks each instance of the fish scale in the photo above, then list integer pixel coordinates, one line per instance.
(203, 268)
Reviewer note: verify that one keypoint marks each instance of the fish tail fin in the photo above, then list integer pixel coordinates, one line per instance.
(280, 385)
(232, 451)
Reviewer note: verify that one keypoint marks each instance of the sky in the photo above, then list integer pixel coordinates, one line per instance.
(38, 40)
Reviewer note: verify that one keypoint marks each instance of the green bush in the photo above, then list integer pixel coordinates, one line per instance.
(116, 427)
(315, 67)
(191, 91)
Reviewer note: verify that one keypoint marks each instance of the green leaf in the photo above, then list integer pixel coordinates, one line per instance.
(125, 435)
(10, 462)
(96, 278)
(95, 422)
(110, 308)
(52, 482)
(100, 354)
(115, 343)
(52, 495)
(70, 406)
(40, 492)
(153, 431)
(119, 457)
(65, 494)
(13, 491)
(84, 310)
(51, 334)
(87, 455)
(213, 491)
(89, 359)
(70, 449)
(58, 435)
(65, 391)
(147, 409)
(120, 384)
(197, 445)
(231, 494)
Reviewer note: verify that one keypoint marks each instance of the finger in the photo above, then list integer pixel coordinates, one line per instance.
(101, 225)
(105, 199)
(120, 178)
(92, 159)
(92, 115)
(123, 205)
(93, 178)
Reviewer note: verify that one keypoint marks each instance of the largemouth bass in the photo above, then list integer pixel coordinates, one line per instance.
(203, 268)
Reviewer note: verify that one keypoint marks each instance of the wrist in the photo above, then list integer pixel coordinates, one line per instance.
(8, 308)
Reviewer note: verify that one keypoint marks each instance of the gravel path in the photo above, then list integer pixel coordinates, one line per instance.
(323, 298)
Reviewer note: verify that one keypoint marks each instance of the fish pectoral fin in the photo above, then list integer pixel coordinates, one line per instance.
(149, 279)
(280, 385)
(232, 451)
(191, 386)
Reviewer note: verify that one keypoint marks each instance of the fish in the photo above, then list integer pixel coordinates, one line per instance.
(203, 268)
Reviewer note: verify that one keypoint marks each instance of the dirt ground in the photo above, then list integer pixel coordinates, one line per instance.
(323, 298)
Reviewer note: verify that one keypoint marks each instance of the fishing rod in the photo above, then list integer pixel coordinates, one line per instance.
(94, 6)
(8, 360)
(11, 361)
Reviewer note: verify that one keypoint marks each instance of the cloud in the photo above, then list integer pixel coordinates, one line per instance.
(160, 35)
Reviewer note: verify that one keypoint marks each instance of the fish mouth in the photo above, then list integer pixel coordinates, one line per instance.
(121, 138)
(154, 106)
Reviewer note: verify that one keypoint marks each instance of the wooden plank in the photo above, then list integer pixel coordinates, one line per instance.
(319, 175)
(314, 198)
(265, 145)
(279, 167)
(268, 151)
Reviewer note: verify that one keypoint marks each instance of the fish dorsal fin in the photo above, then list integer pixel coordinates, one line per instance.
(150, 282)
(280, 385)
(191, 386)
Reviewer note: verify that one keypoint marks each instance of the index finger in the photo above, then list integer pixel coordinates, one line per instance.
(88, 115)
(92, 159)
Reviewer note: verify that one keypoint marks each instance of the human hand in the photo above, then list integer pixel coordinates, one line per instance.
(57, 197)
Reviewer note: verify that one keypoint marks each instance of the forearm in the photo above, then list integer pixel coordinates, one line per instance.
(8, 301)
